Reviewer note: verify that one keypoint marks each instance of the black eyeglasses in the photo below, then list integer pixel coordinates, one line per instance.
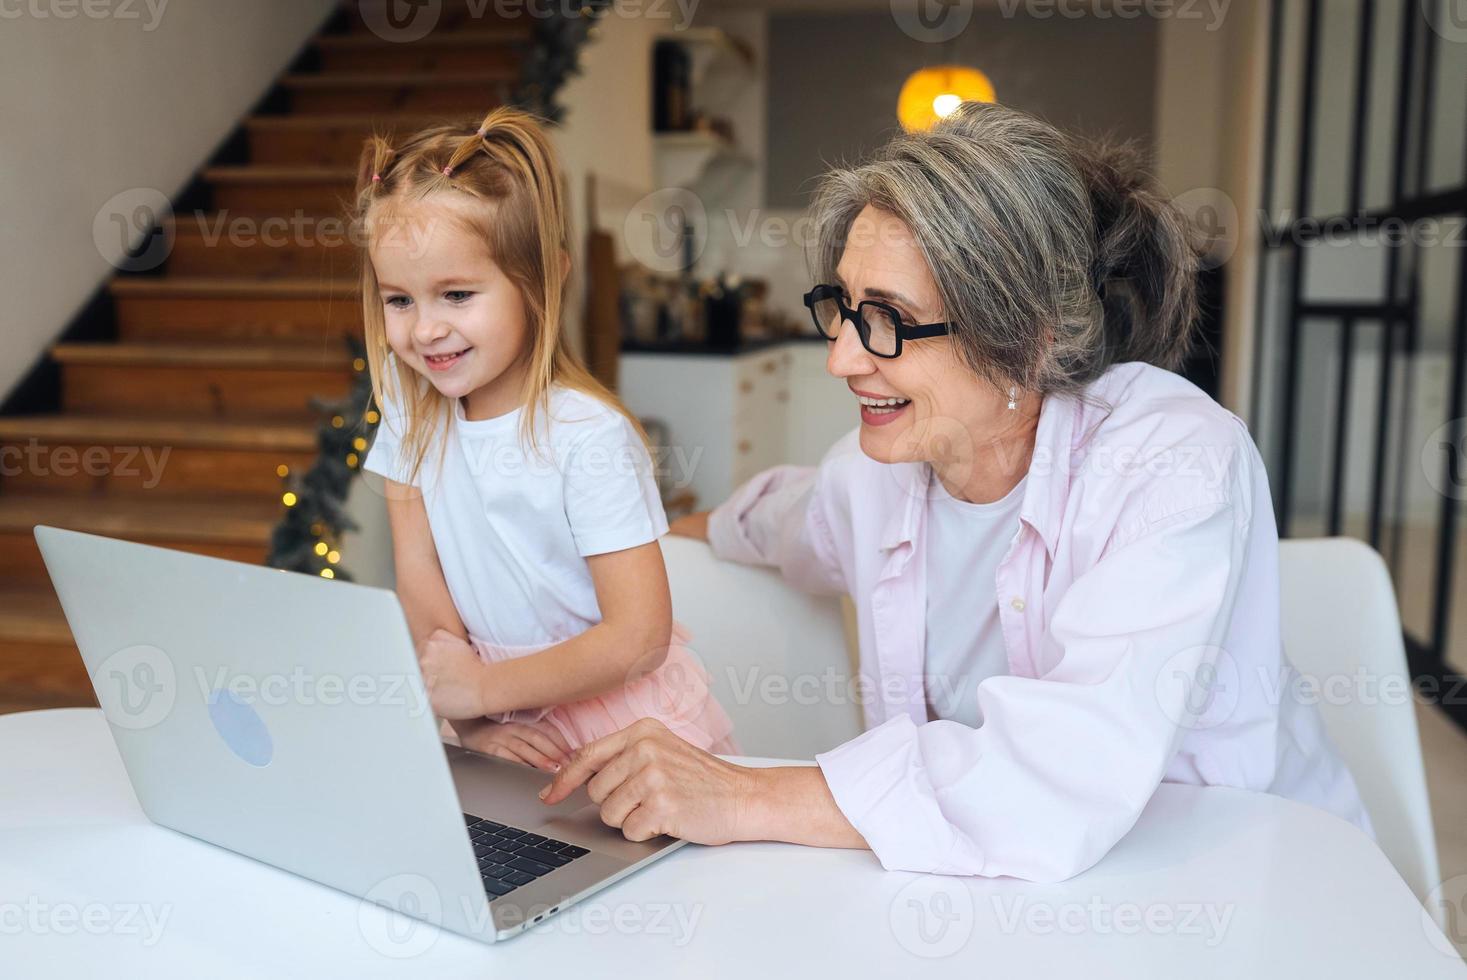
(879, 326)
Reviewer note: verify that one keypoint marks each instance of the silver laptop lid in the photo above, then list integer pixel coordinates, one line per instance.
(276, 714)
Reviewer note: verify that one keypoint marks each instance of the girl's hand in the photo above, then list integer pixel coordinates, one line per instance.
(454, 676)
(518, 743)
(691, 526)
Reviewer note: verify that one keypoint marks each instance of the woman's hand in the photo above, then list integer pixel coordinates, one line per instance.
(691, 525)
(649, 781)
(517, 743)
(454, 676)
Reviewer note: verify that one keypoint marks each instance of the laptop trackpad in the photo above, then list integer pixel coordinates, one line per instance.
(498, 789)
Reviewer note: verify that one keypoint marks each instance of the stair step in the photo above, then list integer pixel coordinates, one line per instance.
(70, 456)
(371, 17)
(355, 92)
(40, 666)
(326, 140)
(213, 380)
(233, 287)
(223, 309)
(282, 189)
(221, 244)
(235, 528)
(458, 51)
(31, 615)
(271, 356)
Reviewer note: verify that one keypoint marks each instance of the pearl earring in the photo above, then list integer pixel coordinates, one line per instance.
(1013, 397)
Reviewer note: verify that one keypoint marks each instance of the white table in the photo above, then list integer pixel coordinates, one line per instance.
(1211, 883)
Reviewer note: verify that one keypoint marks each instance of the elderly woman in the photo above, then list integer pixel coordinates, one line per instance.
(1062, 555)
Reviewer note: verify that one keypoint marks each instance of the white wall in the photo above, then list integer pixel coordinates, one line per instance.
(1210, 111)
(607, 131)
(97, 106)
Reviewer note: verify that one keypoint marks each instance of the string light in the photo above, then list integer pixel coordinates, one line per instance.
(351, 460)
(333, 556)
(372, 417)
(321, 547)
(359, 444)
(289, 499)
(282, 471)
(337, 421)
(327, 573)
(358, 364)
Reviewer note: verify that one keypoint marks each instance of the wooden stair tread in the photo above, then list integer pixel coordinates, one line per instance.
(362, 120)
(284, 355)
(162, 518)
(31, 615)
(444, 39)
(398, 80)
(271, 173)
(226, 286)
(193, 431)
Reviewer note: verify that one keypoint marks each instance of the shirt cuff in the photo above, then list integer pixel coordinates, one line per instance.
(881, 785)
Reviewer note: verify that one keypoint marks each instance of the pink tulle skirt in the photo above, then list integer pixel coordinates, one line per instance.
(676, 694)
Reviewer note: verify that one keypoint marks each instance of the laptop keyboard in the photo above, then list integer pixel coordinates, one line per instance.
(509, 857)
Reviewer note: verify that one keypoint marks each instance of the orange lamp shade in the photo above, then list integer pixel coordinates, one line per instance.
(929, 94)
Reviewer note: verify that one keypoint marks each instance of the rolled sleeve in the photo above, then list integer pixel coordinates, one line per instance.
(777, 518)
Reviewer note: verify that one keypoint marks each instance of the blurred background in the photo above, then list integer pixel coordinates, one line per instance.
(181, 334)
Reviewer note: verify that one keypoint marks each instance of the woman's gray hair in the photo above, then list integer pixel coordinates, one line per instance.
(1054, 257)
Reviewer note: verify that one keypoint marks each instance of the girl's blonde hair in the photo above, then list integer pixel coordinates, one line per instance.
(506, 162)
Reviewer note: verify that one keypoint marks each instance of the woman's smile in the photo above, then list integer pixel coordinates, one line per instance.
(880, 409)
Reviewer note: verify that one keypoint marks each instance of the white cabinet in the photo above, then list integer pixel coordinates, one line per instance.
(725, 414)
(728, 416)
(821, 408)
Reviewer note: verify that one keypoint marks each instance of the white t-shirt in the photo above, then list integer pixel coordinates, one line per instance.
(513, 528)
(964, 543)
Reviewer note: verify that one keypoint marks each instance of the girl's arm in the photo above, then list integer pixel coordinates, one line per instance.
(420, 585)
(631, 639)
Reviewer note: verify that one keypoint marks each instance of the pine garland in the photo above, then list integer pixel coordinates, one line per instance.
(308, 537)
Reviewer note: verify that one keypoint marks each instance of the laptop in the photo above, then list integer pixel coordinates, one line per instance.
(283, 716)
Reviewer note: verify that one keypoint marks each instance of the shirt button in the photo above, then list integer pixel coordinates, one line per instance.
(1017, 603)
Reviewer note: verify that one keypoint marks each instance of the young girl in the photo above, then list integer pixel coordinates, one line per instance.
(524, 513)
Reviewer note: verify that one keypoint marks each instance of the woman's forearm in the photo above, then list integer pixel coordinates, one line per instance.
(604, 658)
(794, 804)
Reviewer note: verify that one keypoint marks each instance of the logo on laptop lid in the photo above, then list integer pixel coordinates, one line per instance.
(241, 727)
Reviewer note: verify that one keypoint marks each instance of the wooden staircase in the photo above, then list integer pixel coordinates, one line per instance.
(176, 431)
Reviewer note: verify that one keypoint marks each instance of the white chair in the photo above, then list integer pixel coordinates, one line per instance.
(776, 657)
(1340, 619)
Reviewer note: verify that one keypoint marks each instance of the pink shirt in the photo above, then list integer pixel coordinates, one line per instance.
(1139, 605)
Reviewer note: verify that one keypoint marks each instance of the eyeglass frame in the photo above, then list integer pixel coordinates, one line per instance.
(902, 331)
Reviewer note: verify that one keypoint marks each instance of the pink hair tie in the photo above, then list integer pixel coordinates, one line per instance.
(483, 133)
(448, 171)
(376, 178)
